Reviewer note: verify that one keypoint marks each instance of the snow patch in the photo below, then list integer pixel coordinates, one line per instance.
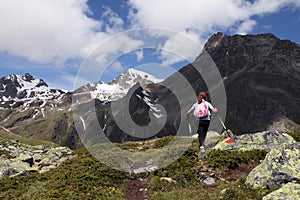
(83, 123)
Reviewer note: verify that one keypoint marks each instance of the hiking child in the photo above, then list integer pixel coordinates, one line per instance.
(202, 113)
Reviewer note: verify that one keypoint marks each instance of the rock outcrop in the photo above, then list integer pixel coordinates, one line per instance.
(266, 140)
(288, 191)
(281, 166)
(19, 159)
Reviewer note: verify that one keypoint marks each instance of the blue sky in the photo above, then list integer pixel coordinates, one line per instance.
(51, 39)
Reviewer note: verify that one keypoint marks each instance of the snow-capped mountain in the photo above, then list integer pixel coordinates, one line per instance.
(119, 87)
(17, 90)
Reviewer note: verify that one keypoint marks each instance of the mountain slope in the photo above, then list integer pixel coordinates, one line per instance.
(261, 75)
(54, 121)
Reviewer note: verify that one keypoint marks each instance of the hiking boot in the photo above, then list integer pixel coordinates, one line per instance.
(202, 149)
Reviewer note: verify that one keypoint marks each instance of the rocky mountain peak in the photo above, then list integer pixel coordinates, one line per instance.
(119, 86)
(17, 90)
(27, 77)
(133, 76)
(261, 73)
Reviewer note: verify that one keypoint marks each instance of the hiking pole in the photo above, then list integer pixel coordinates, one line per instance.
(228, 132)
(191, 133)
(222, 122)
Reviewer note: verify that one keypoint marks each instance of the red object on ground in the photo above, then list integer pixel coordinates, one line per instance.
(229, 141)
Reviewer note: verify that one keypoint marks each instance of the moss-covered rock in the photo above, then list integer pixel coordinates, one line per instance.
(17, 158)
(266, 140)
(281, 165)
(288, 191)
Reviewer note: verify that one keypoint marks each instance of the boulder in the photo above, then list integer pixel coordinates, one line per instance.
(266, 140)
(281, 165)
(288, 191)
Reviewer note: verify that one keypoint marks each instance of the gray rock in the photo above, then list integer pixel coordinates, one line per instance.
(212, 139)
(37, 157)
(38, 151)
(10, 147)
(281, 165)
(209, 181)
(287, 191)
(47, 168)
(31, 158)
(10, 171)
(148, 168)
(266, 140)
(40, 147)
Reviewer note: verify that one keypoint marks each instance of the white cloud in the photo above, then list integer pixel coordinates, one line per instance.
(181, 15)
(114, 22)
(139, 55)
(246, 27)
(117, 66)
(181, 47)
(46, 31)
(203, 15)
(261, 7)
(53, 31)
(198, 19)
(113, 47)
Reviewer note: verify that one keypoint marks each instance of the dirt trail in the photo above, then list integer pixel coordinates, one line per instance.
(135, 189)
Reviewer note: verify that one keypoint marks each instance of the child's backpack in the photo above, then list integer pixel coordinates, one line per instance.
(201, 110)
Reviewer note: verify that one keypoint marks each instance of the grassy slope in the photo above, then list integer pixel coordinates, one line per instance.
(6, 136)
(85, 178)
(56, 126)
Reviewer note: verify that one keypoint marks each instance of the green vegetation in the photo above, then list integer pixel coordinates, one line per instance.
(51, 124)
(159, 143)
(5, 154)
(85, 178)
(8, 136)
(80, 178)
(295, 135)
(233, 191)
(232, 159)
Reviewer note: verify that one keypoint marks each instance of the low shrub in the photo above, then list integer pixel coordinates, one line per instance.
(231, 159)
(161, 142)
(240, 190)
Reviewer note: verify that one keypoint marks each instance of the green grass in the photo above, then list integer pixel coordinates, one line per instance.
(235, 191)
(8, 136)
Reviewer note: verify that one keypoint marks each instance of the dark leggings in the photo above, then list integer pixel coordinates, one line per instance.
(202, 131)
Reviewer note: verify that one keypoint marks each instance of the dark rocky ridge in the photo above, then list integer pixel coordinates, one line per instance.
(263, 79)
